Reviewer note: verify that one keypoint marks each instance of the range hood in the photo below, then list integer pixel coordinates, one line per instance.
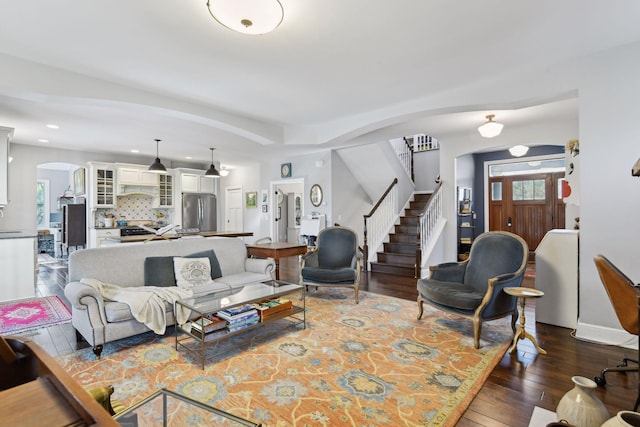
(138, 190)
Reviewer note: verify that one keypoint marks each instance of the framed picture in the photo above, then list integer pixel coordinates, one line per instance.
(264, 197)
(265, 208)
(252, 199)
(78, 182)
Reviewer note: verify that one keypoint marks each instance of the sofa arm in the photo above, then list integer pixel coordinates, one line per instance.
(86, 298)
(260, 265)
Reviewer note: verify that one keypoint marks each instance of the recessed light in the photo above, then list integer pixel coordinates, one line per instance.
(52, 126)
(188, 157)
(135, 151)
(43, 140)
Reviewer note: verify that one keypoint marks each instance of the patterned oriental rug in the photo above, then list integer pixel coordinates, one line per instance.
(371, 364)
(31, 313)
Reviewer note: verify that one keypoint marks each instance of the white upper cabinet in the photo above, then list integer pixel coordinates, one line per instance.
(197, 183)
(137, 180)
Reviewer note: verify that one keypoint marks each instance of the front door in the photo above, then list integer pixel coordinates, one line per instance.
(526, 205)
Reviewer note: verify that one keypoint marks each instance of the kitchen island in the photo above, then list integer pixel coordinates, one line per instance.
(170, 236)
(18, 264)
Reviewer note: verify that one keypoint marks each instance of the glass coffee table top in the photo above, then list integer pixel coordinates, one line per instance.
(168, 408)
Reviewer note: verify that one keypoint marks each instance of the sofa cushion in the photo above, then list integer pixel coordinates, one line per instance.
(158, 270)
(216, 271)
(450, 294)
(191, 272)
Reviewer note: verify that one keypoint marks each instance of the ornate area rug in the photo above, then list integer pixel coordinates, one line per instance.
(371, 364)
(32, 313)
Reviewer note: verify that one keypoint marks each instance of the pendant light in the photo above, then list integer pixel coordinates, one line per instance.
(490, 128)
(157, 166)
(212, 172)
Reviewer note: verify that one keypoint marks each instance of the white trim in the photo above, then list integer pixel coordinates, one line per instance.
(273, 203)
(47, 204)
(606, 335)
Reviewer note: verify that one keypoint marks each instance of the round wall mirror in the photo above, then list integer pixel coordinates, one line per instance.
(316, 195)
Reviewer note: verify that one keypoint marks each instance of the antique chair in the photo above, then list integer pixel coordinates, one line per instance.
(335, 260)
(473, 287)
(623, 294)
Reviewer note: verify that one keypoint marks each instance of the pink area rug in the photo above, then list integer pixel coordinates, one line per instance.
(32, 313)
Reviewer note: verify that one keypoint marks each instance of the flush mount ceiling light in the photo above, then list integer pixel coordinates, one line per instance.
(247, 16)
(212, 172)
(157, 166)
(224, 171)
(490, 128)
(518, 150)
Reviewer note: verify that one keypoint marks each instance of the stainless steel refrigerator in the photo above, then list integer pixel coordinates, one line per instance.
(199, 211)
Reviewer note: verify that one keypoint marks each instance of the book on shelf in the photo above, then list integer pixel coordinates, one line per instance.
(244, 324)
(465, 240)
(209, 323)
(230, 317)
(237, 310)
(243, 320)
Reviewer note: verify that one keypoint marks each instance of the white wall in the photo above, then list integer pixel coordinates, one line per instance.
(609, 196)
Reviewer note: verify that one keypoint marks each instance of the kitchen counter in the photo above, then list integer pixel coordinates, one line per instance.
(168, 236)
(18, 234)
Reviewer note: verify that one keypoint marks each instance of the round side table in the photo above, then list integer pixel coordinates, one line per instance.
(521, 333)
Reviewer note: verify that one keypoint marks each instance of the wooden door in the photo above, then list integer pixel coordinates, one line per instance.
(526, 205)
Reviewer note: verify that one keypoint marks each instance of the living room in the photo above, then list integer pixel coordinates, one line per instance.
(600, 76)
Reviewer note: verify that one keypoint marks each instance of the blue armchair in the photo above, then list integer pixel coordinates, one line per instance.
(335, 261)
(473, 288)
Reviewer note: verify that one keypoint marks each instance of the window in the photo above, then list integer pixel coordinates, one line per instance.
(42, 203)
(496, 191)
(532, 189)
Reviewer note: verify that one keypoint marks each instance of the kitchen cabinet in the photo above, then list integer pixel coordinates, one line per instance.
(166, 190)
(5, 140)
(18, 265)
(101, 237)
(136, 176)
(102, 185)
(193, 183)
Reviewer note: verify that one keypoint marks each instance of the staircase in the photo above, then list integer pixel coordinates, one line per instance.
(399, 255)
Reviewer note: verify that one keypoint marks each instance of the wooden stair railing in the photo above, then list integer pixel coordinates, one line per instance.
(387, 199)
(428, 220)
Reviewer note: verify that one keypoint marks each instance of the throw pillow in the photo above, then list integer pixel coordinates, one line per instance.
(216, 271)
(191, 272)
(158, 271)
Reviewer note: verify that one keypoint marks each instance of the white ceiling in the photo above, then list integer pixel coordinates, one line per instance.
(117, 74)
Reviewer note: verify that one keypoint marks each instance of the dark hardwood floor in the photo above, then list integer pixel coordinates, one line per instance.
(520, 381)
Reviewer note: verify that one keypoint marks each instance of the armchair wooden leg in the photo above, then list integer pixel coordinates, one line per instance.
(420, 308)
(477, 330)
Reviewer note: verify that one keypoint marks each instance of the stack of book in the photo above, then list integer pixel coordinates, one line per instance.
(239, 317)
(206, 324)
(274, 308)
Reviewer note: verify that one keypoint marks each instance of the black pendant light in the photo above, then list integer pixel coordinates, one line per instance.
(212, 171)
(157, 165)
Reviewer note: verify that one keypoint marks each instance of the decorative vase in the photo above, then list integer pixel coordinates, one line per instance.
(624, 419)
(580, 406)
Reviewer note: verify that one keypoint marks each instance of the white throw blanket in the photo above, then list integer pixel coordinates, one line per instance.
(146, 302)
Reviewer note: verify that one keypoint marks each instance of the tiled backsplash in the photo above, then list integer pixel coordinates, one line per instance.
(133, 208)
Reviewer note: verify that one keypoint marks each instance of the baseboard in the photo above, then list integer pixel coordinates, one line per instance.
(605, 335)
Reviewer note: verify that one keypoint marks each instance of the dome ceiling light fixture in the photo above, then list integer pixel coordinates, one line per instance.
(212, 172)
(251, 17)
(224, 171)
(518, 150)
(157, 166)
(490, 129)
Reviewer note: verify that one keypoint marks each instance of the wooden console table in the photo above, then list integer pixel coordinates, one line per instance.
(37, 391)
(276, 251)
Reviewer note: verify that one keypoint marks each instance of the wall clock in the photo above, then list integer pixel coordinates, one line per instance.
(285, 170)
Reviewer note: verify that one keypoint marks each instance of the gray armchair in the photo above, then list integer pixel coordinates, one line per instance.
(335, 261)
(473, 288)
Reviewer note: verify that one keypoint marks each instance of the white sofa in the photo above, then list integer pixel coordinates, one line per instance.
(100, 321)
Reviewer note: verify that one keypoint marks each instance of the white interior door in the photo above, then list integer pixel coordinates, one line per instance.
(233, 209)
